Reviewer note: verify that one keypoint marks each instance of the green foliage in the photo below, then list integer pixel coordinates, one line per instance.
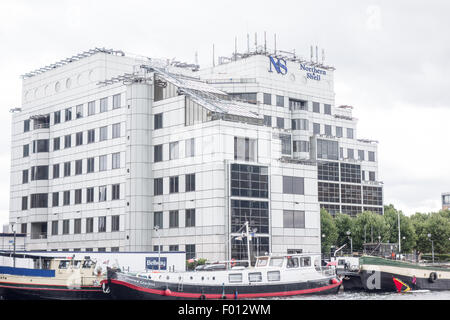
(368, 226)
(328, 229)
(195, 263)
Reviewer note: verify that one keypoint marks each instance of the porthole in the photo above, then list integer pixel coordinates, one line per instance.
(57, 86)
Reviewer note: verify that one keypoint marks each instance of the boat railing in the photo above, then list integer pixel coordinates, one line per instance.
(326, 271)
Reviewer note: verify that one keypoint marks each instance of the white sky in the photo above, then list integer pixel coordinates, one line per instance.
(391, 58)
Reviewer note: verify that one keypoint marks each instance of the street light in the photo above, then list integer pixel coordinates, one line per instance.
(14, 231)
(156, 228)
(432, 246)
(351, 241)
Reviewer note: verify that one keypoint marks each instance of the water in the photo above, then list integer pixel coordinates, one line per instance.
(431, 295)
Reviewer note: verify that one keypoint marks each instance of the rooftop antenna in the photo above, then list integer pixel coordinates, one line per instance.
(248, 43)
(312, 53)
(256, 42)
(275, 43)
(323, 56)
(317, 54)
(196, 57)
(214, 64)
(235, 48)
(265, 43)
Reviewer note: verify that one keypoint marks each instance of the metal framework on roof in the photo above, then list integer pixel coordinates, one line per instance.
(76, 57)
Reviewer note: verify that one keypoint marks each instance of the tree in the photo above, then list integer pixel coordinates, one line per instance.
(328, 228)
(367, 227)
(419, 222)
(343, 223)
(406, 228)
(439, 227)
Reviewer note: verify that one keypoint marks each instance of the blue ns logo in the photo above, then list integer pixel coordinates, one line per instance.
(279, 65)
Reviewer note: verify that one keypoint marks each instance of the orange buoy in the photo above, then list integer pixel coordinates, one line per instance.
(167, 292)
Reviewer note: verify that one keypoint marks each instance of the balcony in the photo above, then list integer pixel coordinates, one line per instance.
(35, 236)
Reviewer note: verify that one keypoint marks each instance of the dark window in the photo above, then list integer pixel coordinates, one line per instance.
(350, 173)
(26, 125)
(267, 98)
(350, 193)
(67, 141)
(158, 153)
(328, 171)
(371, 156)
(293, 219)
(280, 123)
(102, 224)
(55, 199)
(25, 176)
(26, 150)
(66, 227)
(350, 153)
(89, 195)
(77, 196)
(79, 138)
(116, 102)
(56, 171)
(293, 185)
(90, 165)
(300, 124)
(268, 121)
(79, 166)
(79, 111)
(89, 225)
(102, 193)
(66, 198)
(300, 146)
(327, 149)
(115, 223)
(328, 192)
(91, 108)
(245, 149)
(57, 117)
(158, 186)
(316, 107)
(116, 130)
(332, 209)
(328, 130)
(91, 136)
(190, 251)
(77, 226)
(173, 247)
(339, 132)
(249, 181)
(256, 212)
(158, 219)
(298, 104)
(23, 228)
(39, 200)
(280, 101)
(360, 154)
(351, 210)
(285, 143)
(190, 182)
(24, 203)
(158, 121)
(115, 249)
(56, 143)
(173, 184)
(371, 175)
(316, 128)
(115, 192)
(327, 109)
(103, 104)
(173, 219)
(40, 145)
(66, 169)
(190, 218)
(248, 97)
(103, 133)
(372, 195)
(54, 228)
(350, 133)
(39, 173)
(68, 114)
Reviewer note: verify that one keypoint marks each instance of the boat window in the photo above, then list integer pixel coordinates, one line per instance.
(276, 262)
(292, 262)
(305, 261)
(341, 262)
(262, 262)
(64, 264)
(76, 264)
(235, 277)
(317, 264)
(87, 264)
(255, 277)
(273, 275)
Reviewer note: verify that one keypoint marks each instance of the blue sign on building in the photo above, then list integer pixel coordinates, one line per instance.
(312, 73)
(152, 263)
(279, 65)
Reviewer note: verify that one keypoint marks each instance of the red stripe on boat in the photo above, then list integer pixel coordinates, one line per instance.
(230, 296)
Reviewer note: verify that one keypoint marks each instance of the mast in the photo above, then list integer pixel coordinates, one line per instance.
(248, 243)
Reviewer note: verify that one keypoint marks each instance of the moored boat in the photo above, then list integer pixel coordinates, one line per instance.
(272, 276)
(381, 274)
(54, 279)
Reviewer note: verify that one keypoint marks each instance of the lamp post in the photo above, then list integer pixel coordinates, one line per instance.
(432, 246)
(14, 247)
(156, 228)
(399, 241)
(351, 241)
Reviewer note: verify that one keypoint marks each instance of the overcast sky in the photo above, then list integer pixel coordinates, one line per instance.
(392, 62)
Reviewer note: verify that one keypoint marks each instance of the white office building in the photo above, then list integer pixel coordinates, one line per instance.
(112, 152)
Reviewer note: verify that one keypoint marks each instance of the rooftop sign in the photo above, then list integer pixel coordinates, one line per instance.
(280, 66)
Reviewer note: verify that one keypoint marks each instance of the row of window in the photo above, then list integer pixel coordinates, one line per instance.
(42, 172)
(158, 184)
(40, 200)
(43, 145)
(333, 192)
(174, 150)
(158, 219)
(79, 111)
(89, 225)
(329, 171)
(295, 104)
